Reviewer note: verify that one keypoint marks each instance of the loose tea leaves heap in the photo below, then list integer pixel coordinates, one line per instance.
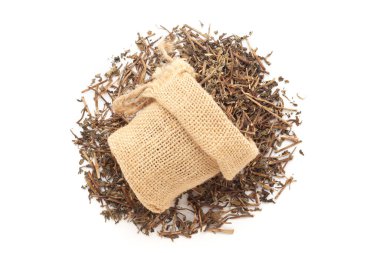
(231, 71)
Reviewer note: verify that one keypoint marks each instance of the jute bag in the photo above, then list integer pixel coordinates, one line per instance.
(178, 139)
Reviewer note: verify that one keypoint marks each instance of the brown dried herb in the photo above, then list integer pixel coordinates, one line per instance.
(236, 77)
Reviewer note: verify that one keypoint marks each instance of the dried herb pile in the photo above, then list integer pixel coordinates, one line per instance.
(237, 78)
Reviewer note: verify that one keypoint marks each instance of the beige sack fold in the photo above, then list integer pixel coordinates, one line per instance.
(178, 139)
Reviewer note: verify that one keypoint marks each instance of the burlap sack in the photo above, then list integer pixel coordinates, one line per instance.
(178, 139)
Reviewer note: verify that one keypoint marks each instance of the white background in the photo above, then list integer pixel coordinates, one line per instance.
(329, 50)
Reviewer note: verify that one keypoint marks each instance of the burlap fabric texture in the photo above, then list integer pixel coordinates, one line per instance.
(178, 139)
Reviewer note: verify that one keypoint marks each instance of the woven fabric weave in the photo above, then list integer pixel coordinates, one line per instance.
(178, 139)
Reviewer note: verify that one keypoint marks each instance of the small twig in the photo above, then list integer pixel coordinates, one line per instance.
(207, 77)
(287, 182)
(221, 230)
(289, 138)
(255, 55)
(267, 109)
(289, 146)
